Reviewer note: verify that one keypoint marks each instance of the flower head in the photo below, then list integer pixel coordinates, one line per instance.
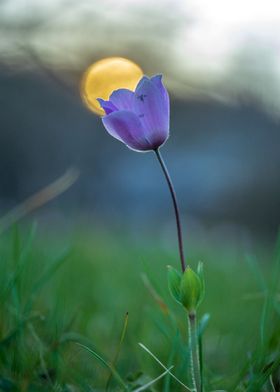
(139, 119)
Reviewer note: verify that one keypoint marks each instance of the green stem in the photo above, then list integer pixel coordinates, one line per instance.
(193, 337)
(194, 352)
(176, 208)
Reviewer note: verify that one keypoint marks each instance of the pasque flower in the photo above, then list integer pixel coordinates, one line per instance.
(139, 119)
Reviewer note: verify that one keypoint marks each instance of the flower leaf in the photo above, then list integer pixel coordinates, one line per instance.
(174, 283)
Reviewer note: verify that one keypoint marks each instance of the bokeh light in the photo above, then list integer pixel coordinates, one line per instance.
(105, 76)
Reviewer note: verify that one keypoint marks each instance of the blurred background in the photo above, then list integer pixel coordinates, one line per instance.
(221, 64)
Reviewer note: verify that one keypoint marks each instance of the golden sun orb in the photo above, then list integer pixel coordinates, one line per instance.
(105, 76)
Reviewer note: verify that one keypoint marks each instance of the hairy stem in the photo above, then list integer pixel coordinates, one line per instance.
(176, 208)
(194, 353)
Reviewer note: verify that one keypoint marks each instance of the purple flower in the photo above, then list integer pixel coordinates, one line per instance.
(139, 119)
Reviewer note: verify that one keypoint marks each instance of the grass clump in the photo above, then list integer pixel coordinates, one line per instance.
(72, 318)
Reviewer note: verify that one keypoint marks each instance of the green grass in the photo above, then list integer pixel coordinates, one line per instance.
(63, 307)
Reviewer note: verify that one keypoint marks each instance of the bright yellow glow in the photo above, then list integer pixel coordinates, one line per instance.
(105, 76)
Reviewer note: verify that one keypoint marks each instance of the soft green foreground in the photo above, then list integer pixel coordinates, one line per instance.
(57, 296)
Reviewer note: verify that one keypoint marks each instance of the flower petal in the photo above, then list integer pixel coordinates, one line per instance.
(141, 81)
(152, 107)
(122, 99)
(157, 80)
(107, 106)
(127, 127)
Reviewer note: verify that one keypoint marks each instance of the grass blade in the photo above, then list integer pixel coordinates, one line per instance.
(154, 294)
(14, 333)
(47, 274)
(115, 360)
(271, 383)
(39, 199)
(106, 364)
(166, 386)
(20, 260)
(259, 381)
(164, 367)
(146, 386)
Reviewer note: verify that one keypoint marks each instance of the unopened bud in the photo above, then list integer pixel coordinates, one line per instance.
(191, 290)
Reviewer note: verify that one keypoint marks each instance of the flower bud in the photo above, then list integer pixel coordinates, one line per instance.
(191, 290)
